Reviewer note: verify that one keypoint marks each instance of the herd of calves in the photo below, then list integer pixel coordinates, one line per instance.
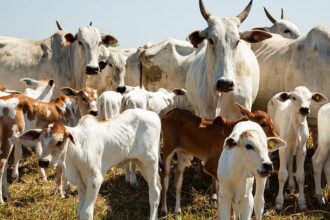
(83, 136)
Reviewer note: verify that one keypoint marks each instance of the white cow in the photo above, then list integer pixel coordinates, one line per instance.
(62, 56)
(44, 89)
(286, 64)
(109, 105)
(88, 152)
(289, 113)
(321, 157)
(283, 27)
(244, 156)
(226, 70)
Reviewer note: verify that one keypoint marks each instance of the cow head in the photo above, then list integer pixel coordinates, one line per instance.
(301, 99)
(86, 99)
(117, 65)
(44, 89)
(223, 42)
(261, 118)
(281, 26)
(54, 139)
(251, 145)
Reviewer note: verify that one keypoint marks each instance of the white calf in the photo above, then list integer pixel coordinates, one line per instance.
(244, 156)
(108, 105)
(44, 89)
(288, 112)
(321, 157)
(90, 149)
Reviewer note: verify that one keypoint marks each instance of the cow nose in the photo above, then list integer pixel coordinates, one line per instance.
(267, 167)
(93, 112)
(121, 89)
(43, 163)
(225, 85)
(304, 111)
(90, 70)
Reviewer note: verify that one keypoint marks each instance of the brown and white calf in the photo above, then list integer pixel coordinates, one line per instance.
(186, 134)
(19, 112)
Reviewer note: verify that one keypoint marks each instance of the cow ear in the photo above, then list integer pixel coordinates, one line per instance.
(51, 82)
(69, 38)
(319, 97)
(69, 91)
(255, 36)
(29, 81)
(109, 40)
(102, 65)
(30, 135)
(179, 91)
(244, 111)
(274, 143)
(284, 96)
(259, 29)
(195, 38)
(70, 136)
(230, 143)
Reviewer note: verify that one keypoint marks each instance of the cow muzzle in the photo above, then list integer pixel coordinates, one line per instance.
(121, 89)
(304, 111)
(93, 112)
(43, 163)
(266, 169)
(225, 85)
(92, 70)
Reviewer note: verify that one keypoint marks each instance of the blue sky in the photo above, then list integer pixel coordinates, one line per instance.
(135, 22)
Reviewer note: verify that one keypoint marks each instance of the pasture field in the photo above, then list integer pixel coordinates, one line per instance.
(31, 199)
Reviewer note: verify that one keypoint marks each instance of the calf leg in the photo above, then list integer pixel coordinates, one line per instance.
(165, 175)
(290, 172)
(300, 175)
(327, 175)
(178, 181)
(282, 175)
(318, 159)
(224, 207)
(132, 177)
(246, 207)
(259, 201)
(42, 173)
(17, 157)
(59, 181)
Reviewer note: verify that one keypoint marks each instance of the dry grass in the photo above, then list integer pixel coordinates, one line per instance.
(31, 199)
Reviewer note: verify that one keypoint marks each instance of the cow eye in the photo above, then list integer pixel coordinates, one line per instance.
(211, 41)
(59, 143)
(249, 147)
(100, 43)
(237, 43)
(84, 99)
(263, 125)
(110, 64)
(80, 43)
(287, 31)
(294, 98)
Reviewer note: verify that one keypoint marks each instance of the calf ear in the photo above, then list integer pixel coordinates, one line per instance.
(255, 36)
(109, 40)
(230, 143)
(51, 82)
(319, 97)
(30, 135)
(195, 38)
(29, 81)
(284, 96)
(70, 136)
(274, 143)
(69, 38)
(69, 91)
(179, 91)
(244, 111)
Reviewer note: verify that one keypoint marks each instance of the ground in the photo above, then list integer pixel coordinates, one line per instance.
(32, 199)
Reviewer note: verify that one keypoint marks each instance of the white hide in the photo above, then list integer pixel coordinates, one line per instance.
(109, 105)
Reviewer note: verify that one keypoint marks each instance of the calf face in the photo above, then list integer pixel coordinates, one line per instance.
(301, 99)
(253, 145)
(54, 139)
(86, 99)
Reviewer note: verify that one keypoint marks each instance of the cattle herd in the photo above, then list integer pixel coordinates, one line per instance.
(110, 107)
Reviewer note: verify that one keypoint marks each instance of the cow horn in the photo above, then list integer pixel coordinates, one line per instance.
(243, 15)
(273, 20)
(90, 23)
(59, 26)
(206, 14)
(282, 14)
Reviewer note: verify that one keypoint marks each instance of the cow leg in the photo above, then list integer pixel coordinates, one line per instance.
(327, 174)
(17, 157)
(224, 207)
(82, 197)
(284, 153)
(300, 175)
(59, 180)
(259, 201)
(93, 187)
(127, 172)
(42, 173)
(165, 175)
(290, 172)
(318, 159)
(246, 207)
(4, 191)
(132, 170)
(178, 181)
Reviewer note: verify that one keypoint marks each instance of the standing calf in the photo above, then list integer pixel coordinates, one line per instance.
(88, 152)
(244, 156)
(289, 112)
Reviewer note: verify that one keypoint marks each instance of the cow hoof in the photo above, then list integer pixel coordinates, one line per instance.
(2, 202)
(178, 211)
(302, 203)
(278, 205)
(163, 211)
(320, 200)
(214, 197)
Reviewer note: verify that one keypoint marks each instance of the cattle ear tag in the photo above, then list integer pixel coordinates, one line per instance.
(271, 144)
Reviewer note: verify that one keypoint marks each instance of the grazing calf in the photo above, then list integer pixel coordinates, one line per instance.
(88, 152)
(289, 112)
(108, 105)
(244, 156)
(321, 157)
(186, 134)
(19, 112)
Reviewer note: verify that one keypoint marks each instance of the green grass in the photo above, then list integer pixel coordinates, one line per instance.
(31, 199)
